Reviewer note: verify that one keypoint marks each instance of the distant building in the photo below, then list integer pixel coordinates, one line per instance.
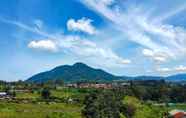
(120, 84)
(177, 114)
(4, 95)
(71, 85)
(90, 85)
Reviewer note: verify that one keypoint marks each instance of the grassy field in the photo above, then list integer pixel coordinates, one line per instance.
(42, 110)
(64, 93)
(28, 105)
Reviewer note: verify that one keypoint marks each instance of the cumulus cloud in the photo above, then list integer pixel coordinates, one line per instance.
(46, 45)
(164, 70)
(156, 56)
(179, 68)
(148, 52)
(83, 25)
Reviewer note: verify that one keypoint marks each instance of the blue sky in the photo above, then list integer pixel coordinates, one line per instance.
(124, 37)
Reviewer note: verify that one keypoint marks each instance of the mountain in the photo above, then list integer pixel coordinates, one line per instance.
(177, 78)
(76, 72)
(80, 71)
(172, 78)
(148, 78)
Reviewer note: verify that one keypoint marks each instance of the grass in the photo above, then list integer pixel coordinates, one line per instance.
(178, 106)
(42, 110)
(38, 109)
(27, 95)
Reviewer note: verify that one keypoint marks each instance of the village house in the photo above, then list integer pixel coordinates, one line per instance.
(177, 114)
(4, 95)
(90, 85)
(71, 85)
(120, 84)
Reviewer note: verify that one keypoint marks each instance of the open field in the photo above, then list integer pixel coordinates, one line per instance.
(43, 110)
(29, 105)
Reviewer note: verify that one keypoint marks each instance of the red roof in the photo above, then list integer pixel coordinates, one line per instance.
(180, 115)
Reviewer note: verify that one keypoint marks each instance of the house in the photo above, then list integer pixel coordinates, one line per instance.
(4, 95)
(177, 114)
(90, 85)
(97, 86)
(71, 85)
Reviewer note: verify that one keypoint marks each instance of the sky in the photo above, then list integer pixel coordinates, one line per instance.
(123, 37)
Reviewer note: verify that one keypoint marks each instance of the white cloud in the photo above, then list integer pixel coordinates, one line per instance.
(180, 68)
(148, 52)
(90, 50)
(156, 56)
(125, 61)
(106, 2)
(160, 59)
(164, 70)
(46, 45)
(138, 26)
(83, 25)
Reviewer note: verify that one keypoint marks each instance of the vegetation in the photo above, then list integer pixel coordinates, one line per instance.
(107, 105)
(139, 99)
(102, 105)
(42, 110)
(45, 94)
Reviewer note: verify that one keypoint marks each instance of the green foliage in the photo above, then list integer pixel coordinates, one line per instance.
(140, 110)
(45, 93)
(160, 92)
(130, 105)
(102, 105)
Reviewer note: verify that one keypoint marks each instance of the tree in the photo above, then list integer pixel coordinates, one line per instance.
(102, 105)
(45, 93)
(130, 105)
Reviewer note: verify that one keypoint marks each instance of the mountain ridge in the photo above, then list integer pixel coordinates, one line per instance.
(75, 72)
(80, 71)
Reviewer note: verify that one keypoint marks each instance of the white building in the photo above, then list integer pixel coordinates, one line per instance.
(3, 94)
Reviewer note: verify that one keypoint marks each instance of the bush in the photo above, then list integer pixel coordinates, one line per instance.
(45, 94)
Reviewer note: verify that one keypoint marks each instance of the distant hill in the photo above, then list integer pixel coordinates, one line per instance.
(76, 72)
(82, 72)
(148, 78)
(172, 78)
(176, 78)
